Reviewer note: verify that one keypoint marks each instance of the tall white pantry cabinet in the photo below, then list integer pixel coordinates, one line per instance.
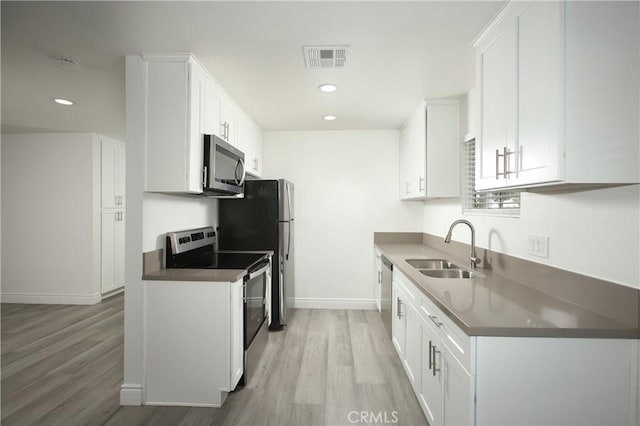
(112, 173)
(64, 205)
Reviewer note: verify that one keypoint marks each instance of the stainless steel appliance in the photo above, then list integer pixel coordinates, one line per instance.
(223, 169)
(195, 248)
(385, 299)
(263, 220)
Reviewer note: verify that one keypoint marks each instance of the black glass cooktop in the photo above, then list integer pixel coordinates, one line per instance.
(205, 258)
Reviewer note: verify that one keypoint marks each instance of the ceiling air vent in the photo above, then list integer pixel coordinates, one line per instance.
(317, 57)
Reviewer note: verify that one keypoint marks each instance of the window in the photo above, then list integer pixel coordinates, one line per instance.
(493, 203)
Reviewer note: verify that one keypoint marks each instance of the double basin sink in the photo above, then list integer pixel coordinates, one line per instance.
(441, 268)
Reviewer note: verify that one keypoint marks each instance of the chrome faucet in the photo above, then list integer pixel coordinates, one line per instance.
(474, 260)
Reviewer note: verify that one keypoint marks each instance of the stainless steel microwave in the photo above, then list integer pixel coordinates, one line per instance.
(223, 169)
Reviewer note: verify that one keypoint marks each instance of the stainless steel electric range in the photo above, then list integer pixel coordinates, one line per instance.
(196, 249)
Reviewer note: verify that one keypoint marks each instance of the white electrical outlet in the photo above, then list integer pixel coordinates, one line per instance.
(538, 245)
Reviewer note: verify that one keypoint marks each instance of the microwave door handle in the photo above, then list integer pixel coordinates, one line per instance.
(204, 177)
(244, 173)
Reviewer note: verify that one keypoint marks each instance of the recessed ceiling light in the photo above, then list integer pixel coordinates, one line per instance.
(63, 101)
(327, 87)
(329, 117)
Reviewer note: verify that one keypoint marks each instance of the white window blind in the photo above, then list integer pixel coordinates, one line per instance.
(497, 202)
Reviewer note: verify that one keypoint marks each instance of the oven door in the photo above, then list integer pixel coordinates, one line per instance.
(223, 167)
(255, 311)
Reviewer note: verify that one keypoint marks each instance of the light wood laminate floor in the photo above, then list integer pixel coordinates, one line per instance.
(62, 365)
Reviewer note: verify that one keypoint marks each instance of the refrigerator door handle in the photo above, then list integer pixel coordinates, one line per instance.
(290, 219)
(283, 319)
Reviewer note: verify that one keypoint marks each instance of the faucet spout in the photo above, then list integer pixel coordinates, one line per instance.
(447, 239)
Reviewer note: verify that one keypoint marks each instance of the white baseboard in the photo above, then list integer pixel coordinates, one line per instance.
(131, 394)
(51, 299)
(182, 404)
(320, 303)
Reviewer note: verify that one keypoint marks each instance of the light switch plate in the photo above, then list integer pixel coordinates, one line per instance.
(538, 245)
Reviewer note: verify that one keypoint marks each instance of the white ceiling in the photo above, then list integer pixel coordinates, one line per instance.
(400, 53)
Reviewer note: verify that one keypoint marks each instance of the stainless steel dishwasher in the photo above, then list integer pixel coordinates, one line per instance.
(385, 299)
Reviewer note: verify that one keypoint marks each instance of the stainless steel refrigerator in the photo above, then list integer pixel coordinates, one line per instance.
(263, 220)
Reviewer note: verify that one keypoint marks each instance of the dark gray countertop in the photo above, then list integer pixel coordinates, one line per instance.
(213, 275)
(498, 306)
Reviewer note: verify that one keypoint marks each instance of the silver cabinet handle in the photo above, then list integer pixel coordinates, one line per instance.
(436, 320)
(223, 130)
(255, 164)
(400, 304)
(505, 163)
(379, 277)
(435, 351)
(430, 355)
(407, 188)
(420, 182)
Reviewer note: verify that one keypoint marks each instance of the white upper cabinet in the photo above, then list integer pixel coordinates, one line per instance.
(249, 141)
(183, 104)
(429, 147)
(558, 88)
(175, 108)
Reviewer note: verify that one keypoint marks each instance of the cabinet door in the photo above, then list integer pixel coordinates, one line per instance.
(495, 70)
(197, 90)
(412, 346)
(212, 106)
(228, 121)
(112, 250)
(398, 322)
(418, 153)
(405, 163)
(431, 393)
(112, 173)
(458, 394)
(237, 330)
(540, 73)
(252, 143)
(440, 177)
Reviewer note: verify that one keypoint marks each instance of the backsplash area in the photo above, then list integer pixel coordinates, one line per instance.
(591, 232)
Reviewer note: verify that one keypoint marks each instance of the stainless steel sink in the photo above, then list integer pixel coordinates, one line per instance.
(450, 273)
(432, 264)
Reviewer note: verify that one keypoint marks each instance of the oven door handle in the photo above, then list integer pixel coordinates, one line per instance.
(259, 272)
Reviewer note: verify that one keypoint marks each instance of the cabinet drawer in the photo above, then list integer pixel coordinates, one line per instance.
(457, 341)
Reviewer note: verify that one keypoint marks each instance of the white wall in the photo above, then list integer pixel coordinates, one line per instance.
(50, 218)
(346, 188)
(167, 213)
(595, 233)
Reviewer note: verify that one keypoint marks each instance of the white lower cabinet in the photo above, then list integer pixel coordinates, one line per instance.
(488, 380)
(193, 342)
